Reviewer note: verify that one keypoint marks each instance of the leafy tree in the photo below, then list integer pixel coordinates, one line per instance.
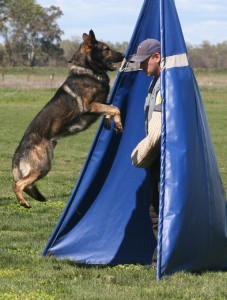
(3, 60)
(121, 47)
(207, 55)
(221, 55)
(30, 32)
(2, 12)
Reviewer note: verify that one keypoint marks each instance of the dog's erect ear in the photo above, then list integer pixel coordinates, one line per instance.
(85, 37)
(90, 39)
(92, 36)
(87, 40)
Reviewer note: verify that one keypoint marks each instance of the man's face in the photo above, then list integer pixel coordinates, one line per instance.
(151, 65)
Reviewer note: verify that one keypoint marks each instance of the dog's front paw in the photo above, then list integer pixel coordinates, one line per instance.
(107, 123)
(118, 127)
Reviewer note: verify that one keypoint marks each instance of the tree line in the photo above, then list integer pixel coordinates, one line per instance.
(30, 32)
(32, 37)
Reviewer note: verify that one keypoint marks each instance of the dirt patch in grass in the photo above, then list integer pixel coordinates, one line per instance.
(31, 81)
(209, 80)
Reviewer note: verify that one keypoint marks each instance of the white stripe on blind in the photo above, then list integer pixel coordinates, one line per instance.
(179, 60)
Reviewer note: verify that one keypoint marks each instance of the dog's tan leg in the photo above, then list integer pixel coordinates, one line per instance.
(19, 195)
(20, 185)
(110, 111)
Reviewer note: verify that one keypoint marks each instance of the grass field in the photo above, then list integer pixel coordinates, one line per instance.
(24, 274)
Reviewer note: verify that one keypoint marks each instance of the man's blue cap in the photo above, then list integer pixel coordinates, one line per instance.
(146, 49)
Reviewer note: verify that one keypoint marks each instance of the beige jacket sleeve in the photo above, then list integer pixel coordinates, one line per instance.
(148, 149)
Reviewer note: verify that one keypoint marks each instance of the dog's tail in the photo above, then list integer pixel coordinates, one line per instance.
(33, 192)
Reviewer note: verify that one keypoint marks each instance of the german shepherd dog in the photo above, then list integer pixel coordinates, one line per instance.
(74, 107)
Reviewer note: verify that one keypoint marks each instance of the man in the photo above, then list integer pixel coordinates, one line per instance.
(147, 152)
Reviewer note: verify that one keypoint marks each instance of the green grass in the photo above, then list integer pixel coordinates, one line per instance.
(215, 101)
(33, 71)
(13, 97)
(24, 274)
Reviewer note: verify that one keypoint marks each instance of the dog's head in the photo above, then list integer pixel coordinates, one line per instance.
(96, 55)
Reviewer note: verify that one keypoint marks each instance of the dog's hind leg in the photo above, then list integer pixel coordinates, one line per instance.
(20, 185)
(33, 192)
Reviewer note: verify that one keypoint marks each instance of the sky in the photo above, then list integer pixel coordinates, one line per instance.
(114, 20)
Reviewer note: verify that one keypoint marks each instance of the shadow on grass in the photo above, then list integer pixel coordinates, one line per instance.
(80, 265)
